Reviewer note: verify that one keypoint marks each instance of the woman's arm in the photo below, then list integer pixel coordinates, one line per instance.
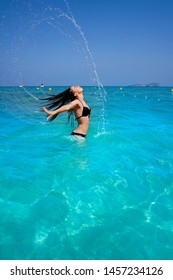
(62, 109)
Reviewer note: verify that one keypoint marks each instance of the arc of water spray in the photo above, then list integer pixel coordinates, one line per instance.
(78, 27)
(30, 94)
(102, 92)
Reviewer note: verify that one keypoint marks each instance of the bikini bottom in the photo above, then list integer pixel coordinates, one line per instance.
(78, 134)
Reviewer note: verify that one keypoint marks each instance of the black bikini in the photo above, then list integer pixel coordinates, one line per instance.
(78, 134)
(85, 113)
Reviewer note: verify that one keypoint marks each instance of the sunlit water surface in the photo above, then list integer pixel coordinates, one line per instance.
(108, 197)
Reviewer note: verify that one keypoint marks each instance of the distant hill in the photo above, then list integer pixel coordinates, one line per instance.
(152, 85)
(143, 85)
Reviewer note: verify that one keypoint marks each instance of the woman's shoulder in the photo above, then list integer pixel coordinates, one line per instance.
(77, 102)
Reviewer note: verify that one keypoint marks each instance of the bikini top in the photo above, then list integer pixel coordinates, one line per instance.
(85, 112)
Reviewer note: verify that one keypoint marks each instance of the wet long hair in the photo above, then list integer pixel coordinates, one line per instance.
(58, 100)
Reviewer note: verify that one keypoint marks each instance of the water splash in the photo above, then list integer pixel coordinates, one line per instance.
(79, 29)
(51, 16)
(30, 94)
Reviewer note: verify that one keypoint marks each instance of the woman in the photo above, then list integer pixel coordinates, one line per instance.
(73, 96)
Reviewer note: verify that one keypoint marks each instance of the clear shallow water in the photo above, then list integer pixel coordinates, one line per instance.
(109, 197)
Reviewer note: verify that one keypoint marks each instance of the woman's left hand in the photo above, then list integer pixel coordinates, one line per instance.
(46, 111)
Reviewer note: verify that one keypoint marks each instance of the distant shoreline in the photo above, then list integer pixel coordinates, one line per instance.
(145, 85)
(132, 85)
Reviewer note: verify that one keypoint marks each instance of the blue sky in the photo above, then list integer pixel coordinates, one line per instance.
(129, 42)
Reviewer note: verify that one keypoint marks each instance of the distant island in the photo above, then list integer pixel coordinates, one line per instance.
(143, 85)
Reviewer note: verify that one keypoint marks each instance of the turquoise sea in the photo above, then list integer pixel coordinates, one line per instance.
(109, 197)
